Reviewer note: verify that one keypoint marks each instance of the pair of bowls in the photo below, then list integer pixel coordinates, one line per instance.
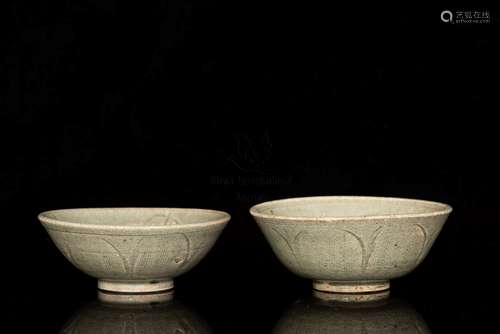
(344, 244)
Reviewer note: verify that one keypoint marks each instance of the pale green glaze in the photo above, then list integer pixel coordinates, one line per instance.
(350, 244)
(134, 249)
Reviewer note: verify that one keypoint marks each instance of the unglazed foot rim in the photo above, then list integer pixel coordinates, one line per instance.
(135, 298)
(135, 287)
(350, 287)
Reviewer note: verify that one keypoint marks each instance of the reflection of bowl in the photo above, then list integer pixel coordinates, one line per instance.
(313, 316)
(352, 297)
(350, 244)
(134, 250)
(172, 317)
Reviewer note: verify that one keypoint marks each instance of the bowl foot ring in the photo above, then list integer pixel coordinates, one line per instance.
(352, 297)
(135, 298)
(350, 287)
(140, 287)
(351, 291)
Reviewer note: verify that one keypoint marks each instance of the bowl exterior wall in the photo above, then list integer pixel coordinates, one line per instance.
(136, 257)
(352, 250)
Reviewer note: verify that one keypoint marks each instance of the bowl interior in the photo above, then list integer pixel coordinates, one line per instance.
(134, 216)
(348, 207)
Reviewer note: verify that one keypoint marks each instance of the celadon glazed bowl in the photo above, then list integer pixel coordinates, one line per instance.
(134, 250)
(351, 244)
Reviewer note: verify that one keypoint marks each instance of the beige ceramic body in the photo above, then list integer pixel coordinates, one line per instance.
(391, 316)
(350, 244)
(134, 250)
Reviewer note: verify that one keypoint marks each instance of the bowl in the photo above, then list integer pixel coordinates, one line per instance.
(351, 244)
(134, 250)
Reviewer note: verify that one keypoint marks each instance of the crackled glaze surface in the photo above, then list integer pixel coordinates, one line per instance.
(351, 244)
(172, 317)
(134, 249)
(312, 316)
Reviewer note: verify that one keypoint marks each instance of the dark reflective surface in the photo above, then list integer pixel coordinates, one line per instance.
(309, 315)
(313, 315)
(168, 317)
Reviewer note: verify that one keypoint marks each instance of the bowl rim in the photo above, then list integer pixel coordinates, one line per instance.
(68, 225)
(446, 209)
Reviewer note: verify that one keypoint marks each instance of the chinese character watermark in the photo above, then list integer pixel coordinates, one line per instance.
(466, 16)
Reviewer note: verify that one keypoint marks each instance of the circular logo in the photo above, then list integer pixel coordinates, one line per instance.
(446, 16)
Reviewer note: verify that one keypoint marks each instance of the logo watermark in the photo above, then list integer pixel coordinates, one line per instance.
(466, 16)
(446, 16)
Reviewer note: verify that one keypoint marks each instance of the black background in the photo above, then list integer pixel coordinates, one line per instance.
(222, 105)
